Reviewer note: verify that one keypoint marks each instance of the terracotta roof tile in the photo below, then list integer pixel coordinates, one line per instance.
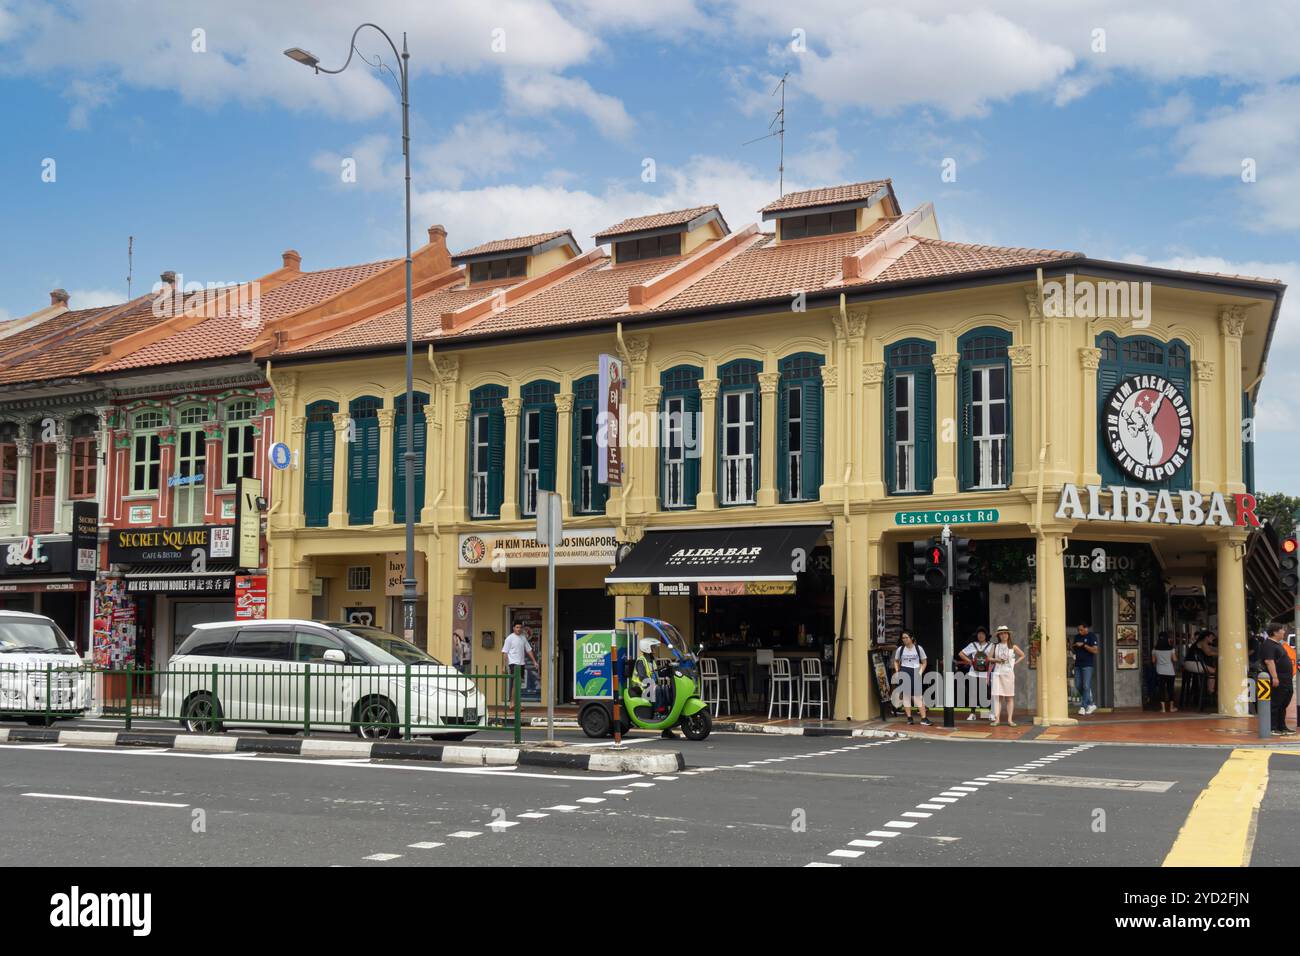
(78, 340)
(827, 196)
(512, 245)
(932, 258)
(659, 220)
(390, 327)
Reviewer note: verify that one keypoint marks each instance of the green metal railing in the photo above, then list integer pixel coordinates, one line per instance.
(281, 697)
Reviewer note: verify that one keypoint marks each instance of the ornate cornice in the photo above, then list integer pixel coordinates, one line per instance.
(853, 324)
(1021, 355)
(709, 388)
(1204, 370)
(830, 376)
(1089, 358)
(462, 411)
(873, 373)
(652, 395)
(1032, 305)
(447, 368)
(768, 382)
(298, 425)
(564, 403)
(945, 363)
(1232, 321)
(512, 406)
(341, 422)
(638, 348)
(386, 416)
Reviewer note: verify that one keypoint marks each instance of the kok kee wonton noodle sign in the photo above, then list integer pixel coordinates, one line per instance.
(1122, 503)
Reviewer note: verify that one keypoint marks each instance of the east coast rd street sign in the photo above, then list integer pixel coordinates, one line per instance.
(955, 516)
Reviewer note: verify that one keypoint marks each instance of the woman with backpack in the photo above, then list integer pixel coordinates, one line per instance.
(1005, 658)
(977, 657)
(909, 662)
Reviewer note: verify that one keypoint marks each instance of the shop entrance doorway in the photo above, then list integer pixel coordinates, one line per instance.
(577, 609)
(1088, 604)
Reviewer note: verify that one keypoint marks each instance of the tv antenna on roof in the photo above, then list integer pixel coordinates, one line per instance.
(779, 122)
(130, 249)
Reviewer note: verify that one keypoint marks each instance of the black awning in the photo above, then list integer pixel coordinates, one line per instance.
(716, 561)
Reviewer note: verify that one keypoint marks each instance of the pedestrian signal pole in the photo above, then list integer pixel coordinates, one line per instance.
(949, 720)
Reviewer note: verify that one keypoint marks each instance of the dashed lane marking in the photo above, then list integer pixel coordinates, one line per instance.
(382, 857)
(465, 834)
(426, 845)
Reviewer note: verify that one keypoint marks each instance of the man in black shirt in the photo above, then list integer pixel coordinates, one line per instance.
(1278, 664)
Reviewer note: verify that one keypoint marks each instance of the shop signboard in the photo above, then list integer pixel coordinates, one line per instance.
(198, 585)
(250, 597)
(1149, 427)
(1162, 506)
(609, 436)
(591, 670)
(248, 522)
(395, 571)
(501, 551)
(85, 540)
(162, 545)
(947, 516)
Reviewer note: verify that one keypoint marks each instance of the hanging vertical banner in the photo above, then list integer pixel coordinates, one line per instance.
(609, 433)
(248, 522)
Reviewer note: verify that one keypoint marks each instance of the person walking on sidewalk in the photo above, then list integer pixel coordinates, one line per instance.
(1005, 658)
(909, 663)
(517, 651)
(975, 655)
(1163, 659)
(1278, 662)
(1085, 663)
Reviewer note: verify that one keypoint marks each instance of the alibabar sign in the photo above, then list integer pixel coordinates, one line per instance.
(1159, 507)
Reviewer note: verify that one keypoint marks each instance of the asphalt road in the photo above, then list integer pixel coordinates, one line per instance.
(744, 800)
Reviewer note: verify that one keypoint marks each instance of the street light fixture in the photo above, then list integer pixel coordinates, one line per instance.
(299, 55)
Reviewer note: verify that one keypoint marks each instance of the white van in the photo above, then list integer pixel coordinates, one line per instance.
(286, 675)
(41, 674)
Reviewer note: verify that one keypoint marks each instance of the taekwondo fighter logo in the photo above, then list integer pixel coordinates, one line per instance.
(1149, 427)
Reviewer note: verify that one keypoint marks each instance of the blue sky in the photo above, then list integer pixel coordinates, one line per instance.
(1088, 126)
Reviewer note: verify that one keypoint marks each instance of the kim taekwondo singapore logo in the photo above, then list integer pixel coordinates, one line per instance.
(1149, 427)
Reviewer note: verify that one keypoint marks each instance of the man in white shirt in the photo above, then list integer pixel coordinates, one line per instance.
(516, 651)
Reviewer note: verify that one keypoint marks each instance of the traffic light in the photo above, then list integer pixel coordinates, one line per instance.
(1290, 565)
(936, 565)
(961, 558)
(920, 563)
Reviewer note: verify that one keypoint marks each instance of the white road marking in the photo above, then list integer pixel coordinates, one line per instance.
(964, 790)
(932, 806)
(591, 799)
(864, 843)
(975, 783)
(819, 863)
(563, 808)
(901, 824)
(135, 803)
(382, 857)
(917, 814)
(465, 834)
(640, 784)
(851, 854)
(427, 845)
(503, 824)
(533, 816)
(882, 833)
(619, 793)
(943, 800)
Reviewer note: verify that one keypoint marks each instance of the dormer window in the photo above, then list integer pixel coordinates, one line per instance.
(494, 270)
(819, 224)
(650, 247)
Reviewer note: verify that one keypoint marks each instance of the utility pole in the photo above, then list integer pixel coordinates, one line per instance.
(949, 720)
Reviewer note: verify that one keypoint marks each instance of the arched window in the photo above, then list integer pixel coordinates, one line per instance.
(318, 464)
(589, 495)
(1138, 355)
(241, 440)
(146, 450)
(909, 417)
(679, 438)
(799, 428)
(738, 428)
(487, 451)
(189, 473)
(400, 440)
(536, 443)
(85, 459)
(984, 406)
(363, 459)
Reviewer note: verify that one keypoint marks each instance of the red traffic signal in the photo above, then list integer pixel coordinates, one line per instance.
(1289, 545)
(1289, 566)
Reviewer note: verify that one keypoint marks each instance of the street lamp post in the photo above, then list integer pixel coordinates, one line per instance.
(408, 455)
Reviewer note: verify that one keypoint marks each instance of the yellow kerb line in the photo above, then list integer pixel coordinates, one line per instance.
(1220, 829)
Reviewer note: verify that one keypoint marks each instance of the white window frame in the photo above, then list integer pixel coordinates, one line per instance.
(739, 482)
(986, 446)
(674, 443)
(480, 441)
(146, 432)
(794, 456)
(905, 446)
(184, 496)
(247, 454)
(586, 473)
(532, 425)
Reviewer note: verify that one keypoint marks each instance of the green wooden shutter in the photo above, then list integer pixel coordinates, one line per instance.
(891, 449)
(318, 473)
(1108, 376)
(363, 472)
(967, 446)
(399, 467)
(812, 439)
(496, 459)
(758, 440)
(546, 453)
(923, 414)
(1182, 481)
(783, 441)
(691, 486)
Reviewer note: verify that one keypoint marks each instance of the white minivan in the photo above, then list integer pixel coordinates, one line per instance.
(285, 676)
(41, 675)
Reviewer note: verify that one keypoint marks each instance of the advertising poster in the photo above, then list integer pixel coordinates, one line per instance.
(250, 597)
(591, 671)
(609, 436)
(462, 630)
(531, 619)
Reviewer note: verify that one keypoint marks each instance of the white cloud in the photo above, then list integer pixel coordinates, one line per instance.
(823, 161)
(87, 96)
(479, 147)
(372, 161)
(1175, 111)
(532, 93)
(94, 298)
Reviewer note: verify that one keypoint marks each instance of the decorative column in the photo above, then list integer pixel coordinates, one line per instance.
(432, 458)
(456, 505)
(1089, 359)
(1232, 323)
(62, 458)
(120, 474)
(853, 335)
(1053, 694)
(384, 504)
(707, 499)
(949, 431)
(767, 443)
(166, 465)
(564, 451)
(1230, 556)
(213, 476)
(1204, 473)
(510, 502)
(1022, 385)
(339, 503)
(293, 490)
(24, 488)
(651, 395)
(832, 426)
(103, 451)
(873, 377)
